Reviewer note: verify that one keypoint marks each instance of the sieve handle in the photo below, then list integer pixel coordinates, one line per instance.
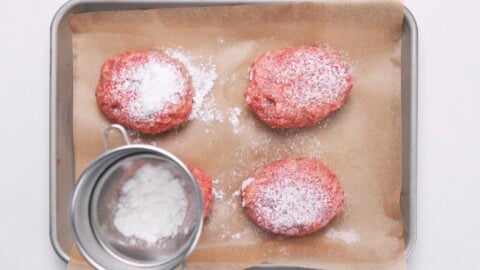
(118, 127)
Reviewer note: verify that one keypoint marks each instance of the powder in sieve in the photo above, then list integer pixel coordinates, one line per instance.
(152, 85)
(152, 205)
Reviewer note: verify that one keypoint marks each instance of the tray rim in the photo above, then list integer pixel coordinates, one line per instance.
(64, 10)
(412, 24)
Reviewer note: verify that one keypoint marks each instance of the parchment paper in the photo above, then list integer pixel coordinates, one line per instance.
(361, 142)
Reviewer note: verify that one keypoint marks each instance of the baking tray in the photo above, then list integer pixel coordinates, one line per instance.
(62, 165)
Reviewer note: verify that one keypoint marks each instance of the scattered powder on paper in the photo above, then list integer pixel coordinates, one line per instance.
(234, 118)
(235, 236)
(152, 85)
(152, 205)
(218, 194)
(226, 202)
(220, 40)
(203, 78)
(348, 236)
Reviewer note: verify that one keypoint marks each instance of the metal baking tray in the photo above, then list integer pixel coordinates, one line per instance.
(62, 163)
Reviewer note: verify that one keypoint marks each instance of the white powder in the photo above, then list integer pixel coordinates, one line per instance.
(326, 80)
(218, 194)
(286, 204)
(235, 236)
(234, 118)
(203, 78)
(152, 86)
(247, 182)
(311, 77)
(152, 205)
(348, 236)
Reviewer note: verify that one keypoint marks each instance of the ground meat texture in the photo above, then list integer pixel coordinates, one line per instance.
(298, 86)
(292, 197)
(205, 184)
(145, 91)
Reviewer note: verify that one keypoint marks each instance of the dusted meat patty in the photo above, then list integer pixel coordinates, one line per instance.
(146, 91)
(297, 87)
(293, 197)
(205, 183)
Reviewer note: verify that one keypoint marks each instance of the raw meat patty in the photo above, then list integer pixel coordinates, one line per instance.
(205, 183)
(293, 197)
(298, 86)
(146, 91)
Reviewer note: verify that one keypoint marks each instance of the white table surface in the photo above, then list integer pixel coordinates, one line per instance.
(448, 153)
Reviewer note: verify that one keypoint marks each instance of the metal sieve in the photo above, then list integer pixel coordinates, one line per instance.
(95, 201)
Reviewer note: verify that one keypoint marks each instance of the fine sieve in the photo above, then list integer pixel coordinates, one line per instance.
(97, 195)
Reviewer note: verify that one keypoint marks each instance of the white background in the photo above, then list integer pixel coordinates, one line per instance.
(449, 135)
